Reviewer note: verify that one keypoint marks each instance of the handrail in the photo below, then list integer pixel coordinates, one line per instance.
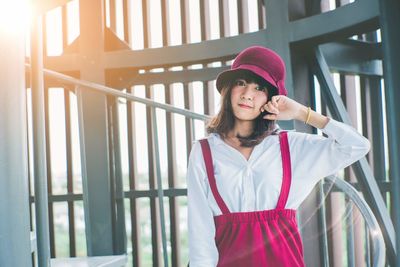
(77, 83)
(376, 233)
(112, 91)
(378, 243)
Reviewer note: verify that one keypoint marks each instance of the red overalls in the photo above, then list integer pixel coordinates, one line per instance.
(257, 238)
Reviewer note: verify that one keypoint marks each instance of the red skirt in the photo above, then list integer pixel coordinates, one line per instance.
(268, 238)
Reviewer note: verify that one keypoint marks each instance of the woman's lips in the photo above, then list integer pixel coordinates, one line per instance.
(244, 106)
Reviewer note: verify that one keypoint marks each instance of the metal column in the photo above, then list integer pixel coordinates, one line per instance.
(390, 21)
(39, 145)
(15, 244)
(278, 22)
(93, 132)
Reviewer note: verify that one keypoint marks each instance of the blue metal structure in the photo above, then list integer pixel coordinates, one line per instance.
(100, 67)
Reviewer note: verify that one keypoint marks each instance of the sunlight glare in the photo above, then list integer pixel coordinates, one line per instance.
(15, 15)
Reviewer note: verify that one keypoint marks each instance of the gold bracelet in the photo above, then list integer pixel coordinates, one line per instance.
(308, 115)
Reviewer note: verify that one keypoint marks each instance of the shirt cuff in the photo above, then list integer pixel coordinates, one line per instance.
(336, 128)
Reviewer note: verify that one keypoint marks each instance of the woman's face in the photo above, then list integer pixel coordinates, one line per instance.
(247, 99)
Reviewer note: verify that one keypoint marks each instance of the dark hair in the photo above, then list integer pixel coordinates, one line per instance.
(223, 122)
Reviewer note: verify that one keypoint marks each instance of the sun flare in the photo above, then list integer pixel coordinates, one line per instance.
(15, 15)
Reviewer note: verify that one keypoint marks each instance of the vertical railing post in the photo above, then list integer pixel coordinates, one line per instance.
(134, 213)
(322, 218)
(160, 192)
(39, 145)
(117, 183)
(349, 222)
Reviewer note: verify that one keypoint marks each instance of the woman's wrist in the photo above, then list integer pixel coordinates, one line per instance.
(306, 114)
(302, 113)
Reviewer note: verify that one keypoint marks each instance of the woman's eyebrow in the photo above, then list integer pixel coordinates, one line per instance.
(249, 81)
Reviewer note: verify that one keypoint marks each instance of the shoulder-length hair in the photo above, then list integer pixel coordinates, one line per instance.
(224, 120)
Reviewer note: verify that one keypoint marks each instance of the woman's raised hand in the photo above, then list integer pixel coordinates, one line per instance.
(282, 108)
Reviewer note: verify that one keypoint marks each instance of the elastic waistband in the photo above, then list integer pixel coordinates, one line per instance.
(254, 216)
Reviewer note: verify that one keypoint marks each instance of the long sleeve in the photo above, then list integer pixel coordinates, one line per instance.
(202, 248)
(320, 156)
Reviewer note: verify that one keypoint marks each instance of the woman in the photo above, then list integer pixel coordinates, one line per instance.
(248, 177)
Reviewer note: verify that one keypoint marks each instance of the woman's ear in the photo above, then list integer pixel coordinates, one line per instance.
(263, 111)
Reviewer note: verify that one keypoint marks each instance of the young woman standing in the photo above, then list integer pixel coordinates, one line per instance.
(248, 177)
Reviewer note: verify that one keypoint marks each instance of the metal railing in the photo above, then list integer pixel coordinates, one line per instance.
(305, 31)
(377, 239)
(378, 243)
(66, 80)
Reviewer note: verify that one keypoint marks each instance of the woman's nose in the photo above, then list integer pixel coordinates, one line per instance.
(248, 92)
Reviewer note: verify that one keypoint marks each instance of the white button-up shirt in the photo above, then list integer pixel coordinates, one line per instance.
(254, 184)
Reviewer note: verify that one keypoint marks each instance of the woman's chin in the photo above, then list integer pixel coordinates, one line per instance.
(242, 117)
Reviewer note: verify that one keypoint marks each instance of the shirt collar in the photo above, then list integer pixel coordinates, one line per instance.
(217, 140)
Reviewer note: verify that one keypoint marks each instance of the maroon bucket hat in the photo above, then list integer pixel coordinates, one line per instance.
(260, 60)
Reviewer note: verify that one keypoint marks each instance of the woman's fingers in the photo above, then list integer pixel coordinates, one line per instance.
(275, 100)
(271, 108)
(270, 116)
(265, 107)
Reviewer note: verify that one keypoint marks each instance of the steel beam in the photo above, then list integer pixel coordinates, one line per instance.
(92, 117)
(15, 241)
(66, 62)
(43, 6)
(361, 168)
(357, 17)
(354, 57)
(324, 27)
(185, 54)
(278, 22)
(390, 21)
(312, 209)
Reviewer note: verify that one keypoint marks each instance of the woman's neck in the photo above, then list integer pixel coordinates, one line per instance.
(241, 128)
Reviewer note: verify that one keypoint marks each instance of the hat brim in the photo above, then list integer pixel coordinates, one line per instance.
(227, 75)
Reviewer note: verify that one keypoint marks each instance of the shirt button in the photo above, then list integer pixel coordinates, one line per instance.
(248, 171)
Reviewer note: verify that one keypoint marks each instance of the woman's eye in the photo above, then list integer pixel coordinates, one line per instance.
(240, 83)
(259, 88)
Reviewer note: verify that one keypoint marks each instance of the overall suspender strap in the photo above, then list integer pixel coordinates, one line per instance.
(205, 146)
(287, 170)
